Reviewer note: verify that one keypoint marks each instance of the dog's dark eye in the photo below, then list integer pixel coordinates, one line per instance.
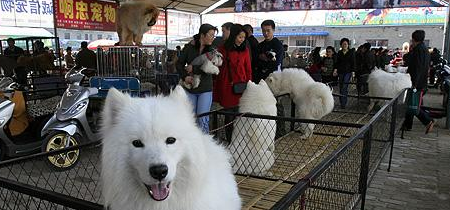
(137, 143)
(170, 140)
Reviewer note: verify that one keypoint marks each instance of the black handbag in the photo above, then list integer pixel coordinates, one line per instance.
(237, 87)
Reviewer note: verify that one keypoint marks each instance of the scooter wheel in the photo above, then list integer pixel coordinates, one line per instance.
(62, 161)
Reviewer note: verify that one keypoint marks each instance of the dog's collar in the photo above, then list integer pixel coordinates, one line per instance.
(209, 55)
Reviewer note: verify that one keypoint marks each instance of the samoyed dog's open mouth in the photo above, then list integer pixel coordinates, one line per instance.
(159, 191)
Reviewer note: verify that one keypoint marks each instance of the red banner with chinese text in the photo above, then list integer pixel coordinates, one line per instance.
(86, 15)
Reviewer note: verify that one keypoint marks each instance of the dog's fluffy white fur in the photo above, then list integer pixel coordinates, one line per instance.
(383, 84)
(313, 100)
(252, 144)
(199, 173)
(209, 62)
(391, 69)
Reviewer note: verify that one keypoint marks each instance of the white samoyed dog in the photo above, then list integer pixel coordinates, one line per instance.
(252, 144)
(313, 100)
(147, 163)
(383, 84)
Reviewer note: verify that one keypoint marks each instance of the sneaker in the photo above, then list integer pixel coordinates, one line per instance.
(429, 127)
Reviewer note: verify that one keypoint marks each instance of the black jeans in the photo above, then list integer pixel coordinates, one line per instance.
(423, 116)
(228, 119)
(362, 85)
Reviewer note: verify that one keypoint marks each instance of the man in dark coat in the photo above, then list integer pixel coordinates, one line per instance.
(86, 57)
(252, 44)
(419, 62)
(366, 63)
(270, 52)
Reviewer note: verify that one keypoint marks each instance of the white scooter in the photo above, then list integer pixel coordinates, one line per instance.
(28, 141)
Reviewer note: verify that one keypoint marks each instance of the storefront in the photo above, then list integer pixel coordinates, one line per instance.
(24, 18)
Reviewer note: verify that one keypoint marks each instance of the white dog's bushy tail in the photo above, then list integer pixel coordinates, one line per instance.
(319, 95)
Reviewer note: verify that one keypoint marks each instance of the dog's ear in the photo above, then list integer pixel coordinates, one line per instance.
(180, 95)
(114, 101)
(263, 83)
(269, 79)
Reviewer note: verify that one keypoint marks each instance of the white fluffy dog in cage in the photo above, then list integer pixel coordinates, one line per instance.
(313, 100)
(209, 63)
(149, 164)
(383, 84)
(392, 69)
(252, 143)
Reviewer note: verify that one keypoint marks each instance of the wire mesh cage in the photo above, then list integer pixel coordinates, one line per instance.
(329, 169)
(147, 63)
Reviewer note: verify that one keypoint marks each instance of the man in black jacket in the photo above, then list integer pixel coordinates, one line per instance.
(366, 64)
(270, 52)
(86, 57)
(252, 44)
(419, 62)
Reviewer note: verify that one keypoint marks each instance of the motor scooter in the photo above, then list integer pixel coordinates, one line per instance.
(19, 134)
(69, 125)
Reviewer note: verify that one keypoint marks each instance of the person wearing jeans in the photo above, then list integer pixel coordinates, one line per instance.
(201, 96)
(344, 79)
(202, 103)
(345, 65)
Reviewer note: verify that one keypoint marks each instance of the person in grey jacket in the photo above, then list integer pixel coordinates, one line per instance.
(201, 97)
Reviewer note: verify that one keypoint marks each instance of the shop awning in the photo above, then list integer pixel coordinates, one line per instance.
(17, 32)
(195, 6)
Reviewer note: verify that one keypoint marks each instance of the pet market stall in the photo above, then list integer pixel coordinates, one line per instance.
(329, 170)
(147, 63)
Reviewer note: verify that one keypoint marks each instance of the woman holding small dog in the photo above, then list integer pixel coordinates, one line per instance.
(201, 96)
(235, 71)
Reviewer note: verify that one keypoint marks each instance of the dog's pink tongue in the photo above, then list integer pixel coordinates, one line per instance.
(159, 191)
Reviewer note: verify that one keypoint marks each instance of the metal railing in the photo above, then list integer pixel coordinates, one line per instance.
(331, 169)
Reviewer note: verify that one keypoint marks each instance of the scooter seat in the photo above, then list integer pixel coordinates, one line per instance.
(43, 107)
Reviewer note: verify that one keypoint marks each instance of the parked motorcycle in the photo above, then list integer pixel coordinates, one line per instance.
(19, 133)
(69, 126)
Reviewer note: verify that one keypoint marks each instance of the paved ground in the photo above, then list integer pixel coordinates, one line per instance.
(420, 173)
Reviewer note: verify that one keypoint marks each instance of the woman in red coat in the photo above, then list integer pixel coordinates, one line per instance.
(236, 68)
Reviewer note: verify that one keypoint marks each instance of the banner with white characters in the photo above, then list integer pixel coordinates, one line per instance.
(29, 13)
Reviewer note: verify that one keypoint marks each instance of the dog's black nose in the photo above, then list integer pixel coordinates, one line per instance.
(158, 172)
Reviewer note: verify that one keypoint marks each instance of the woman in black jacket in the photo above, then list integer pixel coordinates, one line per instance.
(201, 97)
(345, 65)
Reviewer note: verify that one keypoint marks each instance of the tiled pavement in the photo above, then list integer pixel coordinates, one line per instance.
(420, 172)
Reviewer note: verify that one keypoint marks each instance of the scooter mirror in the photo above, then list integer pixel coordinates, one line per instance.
(74, 75)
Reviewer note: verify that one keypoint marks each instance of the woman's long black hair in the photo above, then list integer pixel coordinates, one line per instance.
(235, 30)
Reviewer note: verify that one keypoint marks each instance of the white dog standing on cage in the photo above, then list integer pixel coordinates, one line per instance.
(149, 164)
(313, 100)
(391, 69)
(252, 142)
(383, 84)
(209, 63)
